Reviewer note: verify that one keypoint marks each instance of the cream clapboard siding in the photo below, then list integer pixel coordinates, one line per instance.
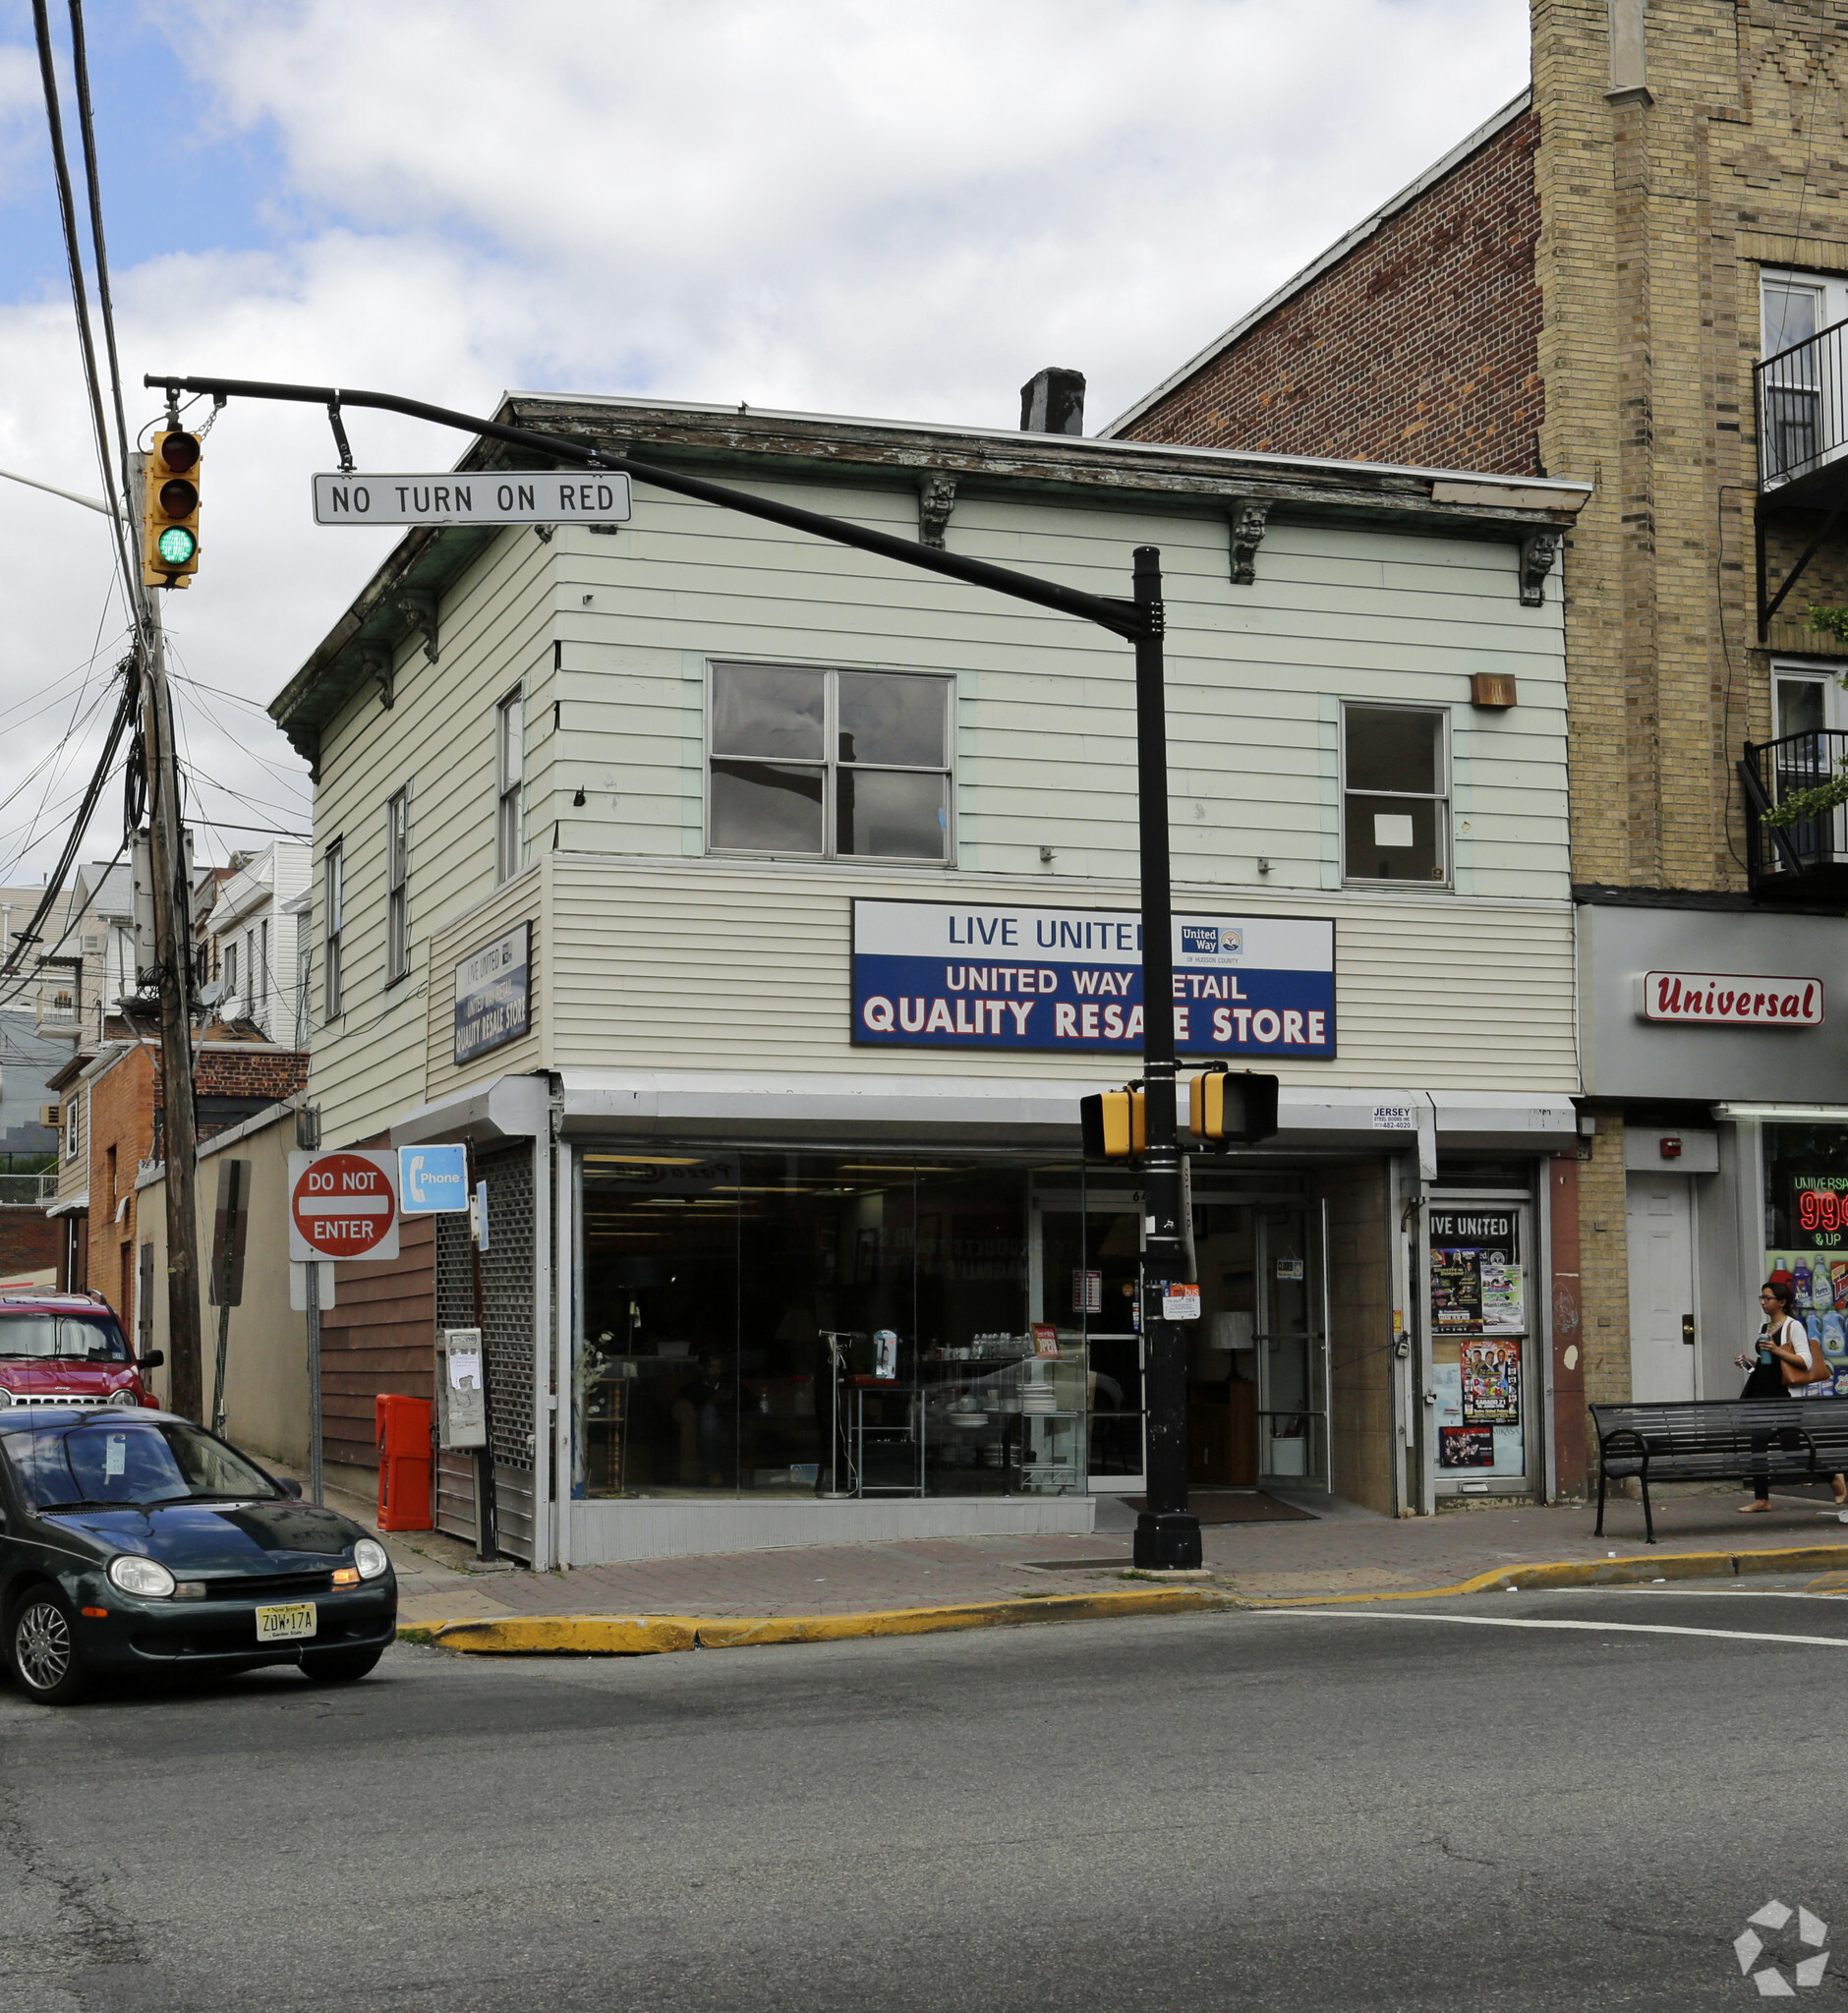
(495, 631)
(655, 964)
(650, 954)
(1046, 728)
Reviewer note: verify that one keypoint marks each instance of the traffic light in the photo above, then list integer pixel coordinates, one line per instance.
(1113, 1124)
(170, 510)
(1231, 1108)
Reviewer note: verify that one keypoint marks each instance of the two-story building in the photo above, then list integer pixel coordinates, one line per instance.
(759, 910)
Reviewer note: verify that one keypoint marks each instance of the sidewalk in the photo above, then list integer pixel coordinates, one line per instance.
(1341, 1550)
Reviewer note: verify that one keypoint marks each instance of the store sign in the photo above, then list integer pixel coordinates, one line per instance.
(493, 994)
(1707, 999)
(955, 975)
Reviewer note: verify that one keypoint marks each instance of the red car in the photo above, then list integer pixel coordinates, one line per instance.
(68, 1349)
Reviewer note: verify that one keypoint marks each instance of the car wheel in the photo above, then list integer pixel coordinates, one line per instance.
(339, 1666)
(43, 1645)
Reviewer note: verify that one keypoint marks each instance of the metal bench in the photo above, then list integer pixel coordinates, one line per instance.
(1776, 1439)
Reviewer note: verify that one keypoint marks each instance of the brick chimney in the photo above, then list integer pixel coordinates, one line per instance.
(1052, 401)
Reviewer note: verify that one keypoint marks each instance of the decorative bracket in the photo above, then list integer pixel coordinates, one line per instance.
(418, 604)
(1249, 521)
(1538, 551)
(936, 499)
(377, 661)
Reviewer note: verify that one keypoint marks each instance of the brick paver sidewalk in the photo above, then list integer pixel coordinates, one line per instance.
(1347, 1551)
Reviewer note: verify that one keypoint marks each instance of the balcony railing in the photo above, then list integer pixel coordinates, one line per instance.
(1803, 411)
(1809, 859)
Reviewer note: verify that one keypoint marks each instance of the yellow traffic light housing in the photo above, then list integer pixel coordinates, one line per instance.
(1232, 1108)
(1113, 1124)
(170, 510)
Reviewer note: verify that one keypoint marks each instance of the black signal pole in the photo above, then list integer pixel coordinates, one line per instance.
(1168, 1534)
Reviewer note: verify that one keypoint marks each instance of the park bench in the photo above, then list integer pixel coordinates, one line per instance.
(1738, 1439)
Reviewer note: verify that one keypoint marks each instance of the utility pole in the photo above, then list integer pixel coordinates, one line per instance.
(173, 962)
(173, 957)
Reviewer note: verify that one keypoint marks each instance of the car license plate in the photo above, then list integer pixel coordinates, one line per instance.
(288, 1623)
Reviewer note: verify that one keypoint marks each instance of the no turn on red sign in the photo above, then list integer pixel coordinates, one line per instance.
(343, 1205)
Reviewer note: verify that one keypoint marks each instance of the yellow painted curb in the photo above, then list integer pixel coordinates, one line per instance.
(568, 1634)
(986, 1614)
(1624, 1572)
(651, 1635)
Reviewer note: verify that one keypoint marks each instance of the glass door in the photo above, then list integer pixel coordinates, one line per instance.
(1484, 1388)
(1087, 1257)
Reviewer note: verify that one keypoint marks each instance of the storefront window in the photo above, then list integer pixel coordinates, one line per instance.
(815, 1323)
(1806, 1227)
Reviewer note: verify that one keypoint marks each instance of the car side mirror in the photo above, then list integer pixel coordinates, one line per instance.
(290, 1487)
(152, 1360)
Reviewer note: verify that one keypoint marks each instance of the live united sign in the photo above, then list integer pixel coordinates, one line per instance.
(1710, 998)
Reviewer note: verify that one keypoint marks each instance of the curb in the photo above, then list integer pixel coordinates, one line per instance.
(653, 1634)
(1627, 1572)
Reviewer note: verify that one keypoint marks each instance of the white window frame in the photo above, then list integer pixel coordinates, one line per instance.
(398, 885)
(73, 1124)
(829, 763)
(1808, 671)
(1832, 287)
(231, 971)
(1444, 796)
(332, 926)
(510, 785)
(261, 972)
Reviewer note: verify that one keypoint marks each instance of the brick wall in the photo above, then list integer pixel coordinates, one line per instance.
(122, 1101)
(1421, 345)
(30, 1239)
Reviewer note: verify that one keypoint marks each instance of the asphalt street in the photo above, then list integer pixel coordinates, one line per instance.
(1397, 1806)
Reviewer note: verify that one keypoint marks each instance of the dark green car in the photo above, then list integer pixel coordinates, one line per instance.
(134, 1541)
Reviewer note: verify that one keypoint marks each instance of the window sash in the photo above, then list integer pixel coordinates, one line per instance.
(397, 885)
(830, 769)
(1352, 794)
(334, 901)
(510, 813)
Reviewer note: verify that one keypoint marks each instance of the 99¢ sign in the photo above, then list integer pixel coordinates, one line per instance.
(343, 1205)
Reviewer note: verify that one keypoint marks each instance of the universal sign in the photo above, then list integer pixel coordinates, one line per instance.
(525, 496)
(960, 975)
(1707, 999)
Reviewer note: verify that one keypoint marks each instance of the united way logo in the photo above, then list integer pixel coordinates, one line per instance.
(1208, 939)
(1801, 1949)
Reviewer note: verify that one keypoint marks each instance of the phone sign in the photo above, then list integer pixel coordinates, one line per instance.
(432, 1179)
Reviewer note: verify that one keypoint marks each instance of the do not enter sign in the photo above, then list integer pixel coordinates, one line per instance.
(343, 1205)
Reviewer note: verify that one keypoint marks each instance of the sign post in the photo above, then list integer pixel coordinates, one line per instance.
(341, 1205)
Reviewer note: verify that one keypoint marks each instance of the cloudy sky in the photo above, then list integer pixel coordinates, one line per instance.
(837, 205)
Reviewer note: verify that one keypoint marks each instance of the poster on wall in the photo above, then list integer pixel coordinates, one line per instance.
(1456, 1292)
(1821, 1286)
(1492, 1383)
(1465, 1447)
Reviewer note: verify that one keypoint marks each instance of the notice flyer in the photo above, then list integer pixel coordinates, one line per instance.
(1503, 1309)
(1465, 1447)
(1456, 1292)
(1492, 1383)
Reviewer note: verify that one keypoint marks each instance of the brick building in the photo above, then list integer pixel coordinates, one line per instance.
(1583, 288)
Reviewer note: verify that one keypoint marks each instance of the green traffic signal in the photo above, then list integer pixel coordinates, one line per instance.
(176, 545)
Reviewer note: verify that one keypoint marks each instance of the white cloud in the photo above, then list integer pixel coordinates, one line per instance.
(838, 205)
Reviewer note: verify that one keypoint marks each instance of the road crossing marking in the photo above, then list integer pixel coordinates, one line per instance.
(1534, 1622)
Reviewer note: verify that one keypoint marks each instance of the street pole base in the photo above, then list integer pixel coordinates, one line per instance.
(1167, 1540)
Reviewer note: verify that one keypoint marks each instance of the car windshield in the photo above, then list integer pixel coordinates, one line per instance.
(116, 1461)
(32, 1332)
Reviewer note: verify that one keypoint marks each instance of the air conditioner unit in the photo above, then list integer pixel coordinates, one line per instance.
(51, 1115)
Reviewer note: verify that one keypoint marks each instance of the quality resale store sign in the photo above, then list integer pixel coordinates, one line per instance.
(929, 974)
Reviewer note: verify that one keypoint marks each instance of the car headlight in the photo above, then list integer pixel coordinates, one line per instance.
(147, 1578)
(370, 1556)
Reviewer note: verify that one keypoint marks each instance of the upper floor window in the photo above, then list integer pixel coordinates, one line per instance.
(1394, 794)
(262, 972)
(333, 921)
(398, 887)
(510, 757)
(72, 1136)
(230, 973)
(830, 763)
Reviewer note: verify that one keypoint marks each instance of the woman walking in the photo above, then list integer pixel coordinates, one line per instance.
(1786, 1364)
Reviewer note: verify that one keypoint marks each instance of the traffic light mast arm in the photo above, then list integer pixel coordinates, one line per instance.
(1123, 618)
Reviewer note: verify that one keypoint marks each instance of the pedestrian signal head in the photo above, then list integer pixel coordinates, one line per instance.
(1113, 1124)
(1232, 1107)
(170, 510)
